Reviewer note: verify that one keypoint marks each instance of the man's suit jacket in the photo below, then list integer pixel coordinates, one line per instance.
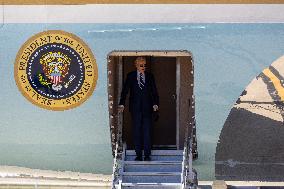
(140, 100)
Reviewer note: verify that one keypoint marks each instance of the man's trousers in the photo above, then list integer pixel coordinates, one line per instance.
(142, 126)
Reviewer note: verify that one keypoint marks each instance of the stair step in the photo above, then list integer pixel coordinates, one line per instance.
(152, 166)
(158, 152)
(151, 185)
(152, 162)
(151, 177)
(158, 157)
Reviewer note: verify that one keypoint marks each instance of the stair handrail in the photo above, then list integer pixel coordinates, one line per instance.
(115, 167)
(188, 176)
(183, 172)
(185, 161)
(118, 154)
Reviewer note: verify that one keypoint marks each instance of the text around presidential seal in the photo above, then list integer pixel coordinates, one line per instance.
(55, 70)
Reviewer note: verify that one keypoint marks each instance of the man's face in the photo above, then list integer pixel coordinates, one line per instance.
(141, 65)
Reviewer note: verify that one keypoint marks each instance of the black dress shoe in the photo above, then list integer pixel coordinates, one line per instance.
(147, 158)
(138, 158)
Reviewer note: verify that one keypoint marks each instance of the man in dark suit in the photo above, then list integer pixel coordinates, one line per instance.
(143, 101)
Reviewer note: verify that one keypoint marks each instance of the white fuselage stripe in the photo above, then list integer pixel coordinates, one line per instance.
(143, 13)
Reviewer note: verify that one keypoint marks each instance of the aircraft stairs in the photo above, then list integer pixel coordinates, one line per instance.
(168, 169)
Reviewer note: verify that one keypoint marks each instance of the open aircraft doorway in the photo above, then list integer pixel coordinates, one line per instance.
(173, 72)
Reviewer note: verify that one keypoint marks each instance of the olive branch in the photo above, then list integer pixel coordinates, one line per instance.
(43, 81)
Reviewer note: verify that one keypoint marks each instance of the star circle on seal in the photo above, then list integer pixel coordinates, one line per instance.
(56, 70)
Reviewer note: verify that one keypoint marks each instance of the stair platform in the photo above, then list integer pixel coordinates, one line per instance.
(158, 155)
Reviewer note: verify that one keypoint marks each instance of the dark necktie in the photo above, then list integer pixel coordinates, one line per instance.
(142, 84)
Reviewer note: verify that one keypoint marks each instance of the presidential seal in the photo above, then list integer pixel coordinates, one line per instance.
(56, 70)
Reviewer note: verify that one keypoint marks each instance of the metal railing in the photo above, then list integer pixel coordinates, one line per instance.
(188, 175)
(118, 156)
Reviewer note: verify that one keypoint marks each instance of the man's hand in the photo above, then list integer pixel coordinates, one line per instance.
(120, 108)
(155, 107)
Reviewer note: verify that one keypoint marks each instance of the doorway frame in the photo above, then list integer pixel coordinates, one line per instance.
(177, 100)
(168, 53)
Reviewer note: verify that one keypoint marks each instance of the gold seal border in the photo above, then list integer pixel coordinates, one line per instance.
(72, 36)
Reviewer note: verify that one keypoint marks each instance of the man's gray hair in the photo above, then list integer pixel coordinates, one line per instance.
(139, 58)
